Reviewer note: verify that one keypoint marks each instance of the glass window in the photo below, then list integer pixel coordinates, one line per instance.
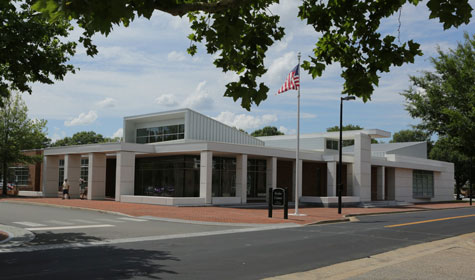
(20, 175)
(256, 178)
(173, 176)
(61, 174)
(422, 184)
(84, 169)
(224, 177)
(160, 134)
(332, 144)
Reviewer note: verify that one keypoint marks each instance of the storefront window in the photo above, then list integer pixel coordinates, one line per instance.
(174, 176)
(224, 177)
(256, 179)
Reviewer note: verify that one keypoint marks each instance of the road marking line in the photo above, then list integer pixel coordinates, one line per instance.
(68, 227)
(133, 219)
(29, 224)
(84, 221)
(430, 221)
(109, 220)
(59, 222)
(139, 239)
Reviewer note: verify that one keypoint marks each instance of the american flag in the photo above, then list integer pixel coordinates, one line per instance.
(292, 81)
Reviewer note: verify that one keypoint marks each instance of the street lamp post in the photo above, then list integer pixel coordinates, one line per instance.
(340, 148)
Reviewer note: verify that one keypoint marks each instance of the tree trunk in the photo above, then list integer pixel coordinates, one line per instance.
(4, 175)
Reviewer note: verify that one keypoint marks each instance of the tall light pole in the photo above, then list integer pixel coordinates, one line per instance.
(340, 149)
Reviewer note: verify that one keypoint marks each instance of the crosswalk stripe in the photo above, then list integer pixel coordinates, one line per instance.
(84, 221)
(58, 222)
(133, 219)
(109, 220)
(68, 227)
(29, 224)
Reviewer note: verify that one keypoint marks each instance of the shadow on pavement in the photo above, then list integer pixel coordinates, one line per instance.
(104, 262)
(49, 238)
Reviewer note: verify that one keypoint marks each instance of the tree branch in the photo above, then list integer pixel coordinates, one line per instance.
(181, 9)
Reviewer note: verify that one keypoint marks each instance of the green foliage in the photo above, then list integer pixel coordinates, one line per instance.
(410, 135)
(346, 143)
(446, 149)
(344, 128)
(31, 48)
(267, 131)
(239, 32)
(444, 100)
(18, 133)
(82, 138)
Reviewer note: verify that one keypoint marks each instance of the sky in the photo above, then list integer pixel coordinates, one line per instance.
(145, 68)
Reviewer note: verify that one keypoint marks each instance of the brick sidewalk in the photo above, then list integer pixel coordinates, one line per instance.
(227, 214)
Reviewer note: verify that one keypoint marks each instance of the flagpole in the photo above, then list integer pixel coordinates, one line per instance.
(297, 158)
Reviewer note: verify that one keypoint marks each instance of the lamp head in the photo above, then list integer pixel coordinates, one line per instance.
(349, 97)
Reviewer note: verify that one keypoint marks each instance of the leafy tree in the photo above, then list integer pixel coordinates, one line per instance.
(410, 135)
(82, 138)
(31, 48)
(344, 128)
(267, 131)
(446, 150)
(413, 135)
(444, 100)
(239, 32)
(17, 133)
(345, 143)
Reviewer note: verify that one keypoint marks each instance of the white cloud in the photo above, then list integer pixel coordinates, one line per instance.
(57, 135)
(107, 103)
(307, 116)
(282, 45)
(244, 121)
(176, 56)
(118, 133)
(82, 119)
(166, 100)
(200, 99)
(281, 66)
(285, 130)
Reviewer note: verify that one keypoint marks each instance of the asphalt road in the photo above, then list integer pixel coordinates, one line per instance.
(240, 255)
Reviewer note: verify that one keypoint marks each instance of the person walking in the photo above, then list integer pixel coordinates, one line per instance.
(83, 186)
(66, 189)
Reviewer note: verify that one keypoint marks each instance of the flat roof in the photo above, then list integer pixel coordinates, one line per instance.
(348, 134)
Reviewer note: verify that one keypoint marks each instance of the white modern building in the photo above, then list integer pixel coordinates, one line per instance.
(182, 157)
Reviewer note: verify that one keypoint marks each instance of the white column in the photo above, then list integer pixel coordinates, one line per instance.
(124, 174)
(206, 176)
(362, 167)
(271, 174)
(331, 178)
(241, 177)
(50, 176)
(380, 182)
(96, 188)
(72, 172)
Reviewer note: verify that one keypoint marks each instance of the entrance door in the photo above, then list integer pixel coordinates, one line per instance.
(110, 177)
(374, 183)
(285, 177)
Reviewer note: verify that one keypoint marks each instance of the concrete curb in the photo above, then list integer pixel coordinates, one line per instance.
(402, 212)
(16, 236)
(343, 220)
(207, 223)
